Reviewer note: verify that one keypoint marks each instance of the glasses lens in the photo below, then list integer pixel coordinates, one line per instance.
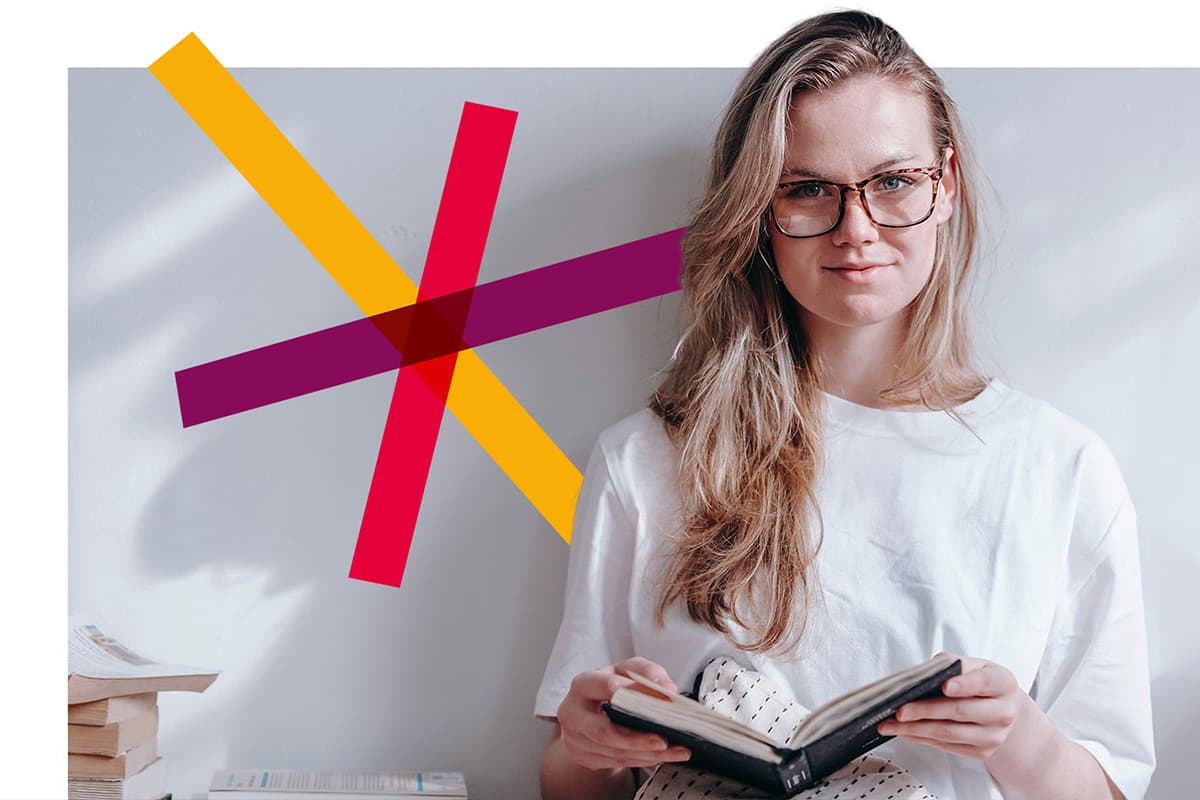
(808, 208)
(903, 199)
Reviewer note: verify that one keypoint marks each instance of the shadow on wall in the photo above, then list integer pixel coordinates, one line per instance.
(364, 676)
(176, 261)
(440, 673)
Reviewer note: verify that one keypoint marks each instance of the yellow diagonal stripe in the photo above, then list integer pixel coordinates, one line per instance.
(361, 266)
(281, 176)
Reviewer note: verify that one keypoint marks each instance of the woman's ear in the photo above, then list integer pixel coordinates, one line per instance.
(948, 190)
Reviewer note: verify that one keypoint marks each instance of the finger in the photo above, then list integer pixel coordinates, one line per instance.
(647, 669)
(596, 727)
(597, 686)
(580, 715)
(969, 664)
(600, 760)
(990, 680)
(610, 760)
(605, 762)
(941, 731)
(957, 749)
(581, 747)
(608, 734)
(982, 710)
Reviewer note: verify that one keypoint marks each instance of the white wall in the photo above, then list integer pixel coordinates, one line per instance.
(228, 544)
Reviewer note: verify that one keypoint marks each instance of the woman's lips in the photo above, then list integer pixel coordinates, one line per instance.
(857, 274)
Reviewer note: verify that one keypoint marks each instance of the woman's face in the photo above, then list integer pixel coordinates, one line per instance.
(861, 127)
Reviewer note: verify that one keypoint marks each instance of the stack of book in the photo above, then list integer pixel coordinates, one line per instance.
(112, 716)
(112, 748)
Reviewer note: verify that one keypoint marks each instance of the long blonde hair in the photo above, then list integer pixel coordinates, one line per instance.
(742, 399)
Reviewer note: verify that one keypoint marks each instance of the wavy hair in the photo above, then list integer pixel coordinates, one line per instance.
(742, 400)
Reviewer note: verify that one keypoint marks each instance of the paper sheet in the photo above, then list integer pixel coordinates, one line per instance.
(446, 784)
(94, 653)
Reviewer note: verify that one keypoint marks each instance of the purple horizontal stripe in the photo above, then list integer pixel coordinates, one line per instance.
(559, 293)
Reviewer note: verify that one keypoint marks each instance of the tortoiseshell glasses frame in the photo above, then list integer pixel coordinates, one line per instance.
(933, 173)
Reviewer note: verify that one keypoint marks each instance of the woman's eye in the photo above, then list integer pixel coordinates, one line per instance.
(892, 183)
(806, 191)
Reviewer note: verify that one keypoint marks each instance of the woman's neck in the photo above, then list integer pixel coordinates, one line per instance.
(857, 362)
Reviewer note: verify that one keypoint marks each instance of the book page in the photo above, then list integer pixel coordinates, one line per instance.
(93, 653)
(681, 706)
(839, 711)
(687, 715)
(447, 784)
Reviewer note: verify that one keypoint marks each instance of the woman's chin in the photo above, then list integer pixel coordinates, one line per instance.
(861, 312)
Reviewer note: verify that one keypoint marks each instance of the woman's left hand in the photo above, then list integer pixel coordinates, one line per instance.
(975, 718)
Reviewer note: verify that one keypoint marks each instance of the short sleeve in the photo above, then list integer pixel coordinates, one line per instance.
(1093, 681)
(595, 630)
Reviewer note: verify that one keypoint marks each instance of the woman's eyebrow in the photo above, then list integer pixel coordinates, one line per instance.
(812, 173)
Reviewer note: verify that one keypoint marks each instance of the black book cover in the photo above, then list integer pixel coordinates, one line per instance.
(806, 766)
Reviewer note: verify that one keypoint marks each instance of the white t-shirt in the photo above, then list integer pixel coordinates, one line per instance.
(1020, 549)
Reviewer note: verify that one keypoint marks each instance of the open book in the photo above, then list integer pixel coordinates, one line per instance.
(100, 666)
(828, 739)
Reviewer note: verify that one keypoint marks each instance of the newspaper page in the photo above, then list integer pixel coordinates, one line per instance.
(93, 653)
(384, 784)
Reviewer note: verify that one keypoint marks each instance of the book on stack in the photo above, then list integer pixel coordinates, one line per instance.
(112, 715)
(278, 784)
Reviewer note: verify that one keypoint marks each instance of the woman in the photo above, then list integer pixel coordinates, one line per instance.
(826, 487)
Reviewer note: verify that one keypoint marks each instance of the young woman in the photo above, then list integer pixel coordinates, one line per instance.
(826, 488)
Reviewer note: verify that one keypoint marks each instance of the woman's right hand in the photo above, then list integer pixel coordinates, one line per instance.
(592, 740)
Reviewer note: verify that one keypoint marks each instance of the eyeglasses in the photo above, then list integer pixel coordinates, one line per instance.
(897, 199)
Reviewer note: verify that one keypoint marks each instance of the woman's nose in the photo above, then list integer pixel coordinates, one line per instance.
(856, 226)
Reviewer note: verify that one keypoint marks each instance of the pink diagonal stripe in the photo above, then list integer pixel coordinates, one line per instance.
(419, 399)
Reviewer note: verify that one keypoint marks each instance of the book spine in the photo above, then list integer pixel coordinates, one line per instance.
(795, 773)
(98, 713)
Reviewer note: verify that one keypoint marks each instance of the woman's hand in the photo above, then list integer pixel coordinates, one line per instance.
(591, 738)
(980, 712)
(987, 716)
